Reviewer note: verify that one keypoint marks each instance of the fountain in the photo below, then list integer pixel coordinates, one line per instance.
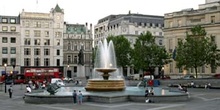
(106, 85)
(105, 75)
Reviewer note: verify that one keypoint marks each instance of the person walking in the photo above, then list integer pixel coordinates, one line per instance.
(10, 90)
(74, 97)
(80, 98)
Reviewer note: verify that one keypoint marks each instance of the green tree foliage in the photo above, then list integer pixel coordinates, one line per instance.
(122, 50)
(197, 50)
(147, 55)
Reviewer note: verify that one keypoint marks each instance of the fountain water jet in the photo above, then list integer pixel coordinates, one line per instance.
(105, 75)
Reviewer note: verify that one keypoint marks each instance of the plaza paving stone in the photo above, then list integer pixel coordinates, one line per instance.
(201, 99)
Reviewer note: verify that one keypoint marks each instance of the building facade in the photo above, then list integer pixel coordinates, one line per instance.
(10, 44)
(42, 39)
(179, 22)
(77, 37)
(130, 26)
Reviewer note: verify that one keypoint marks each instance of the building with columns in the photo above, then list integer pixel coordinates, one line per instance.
(179, 22)
(41, 43)
(77, 37)
(129, 25)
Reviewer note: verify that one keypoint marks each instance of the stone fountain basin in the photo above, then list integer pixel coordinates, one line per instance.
(133, 94)
(104, 70)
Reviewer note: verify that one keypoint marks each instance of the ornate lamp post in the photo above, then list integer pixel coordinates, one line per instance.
(5, 65)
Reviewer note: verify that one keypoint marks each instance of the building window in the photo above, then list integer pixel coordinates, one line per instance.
(36, 51)
(69, 46)
(27, 33)
(27, 41)
(136, 32)
(46, 62)
(58, 52)
(46, 24)
(4, 20)
(58, 34)
(13, 40)
(75, 47)
(27, 62)
(4, 50)
(170, 24)
(36, 61)
(13, 61)
(13, 28)
(27, 51)
(36, 41)
(69, 59)
(58, 41)
(212, 19)
(46, 33)
(37, 24)
(13, 50)
(4, 61)
(37, 33)
(179, 23)
(58, 62)
(12, 21)
(180, 70)
(27, 24)
(46, 51)
(4, 40)
(4, 28)
(75, 59)
(160, 42)
(46, 41)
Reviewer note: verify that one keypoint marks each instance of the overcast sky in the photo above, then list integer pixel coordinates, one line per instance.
(82, 11)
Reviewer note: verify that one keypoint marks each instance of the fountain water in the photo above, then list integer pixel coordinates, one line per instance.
(105, 74)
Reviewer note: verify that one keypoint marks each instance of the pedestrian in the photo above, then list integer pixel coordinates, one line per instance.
(74, 97)
(28, 89)
(146, 93)
(151, 92)
(10, 90)
(80, 97)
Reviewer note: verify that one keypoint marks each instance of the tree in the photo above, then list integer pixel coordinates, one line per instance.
(147, 55)
(122, 50)
(197, 50)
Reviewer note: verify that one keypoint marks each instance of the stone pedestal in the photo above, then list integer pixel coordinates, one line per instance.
(80, 71)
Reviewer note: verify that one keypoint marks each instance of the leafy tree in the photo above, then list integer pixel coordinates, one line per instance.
(197, 50)
(122, 50)
(147, 55)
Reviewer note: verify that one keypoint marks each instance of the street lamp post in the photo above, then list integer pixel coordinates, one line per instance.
(5, 65)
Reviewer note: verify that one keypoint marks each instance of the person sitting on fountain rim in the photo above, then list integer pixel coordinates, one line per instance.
(151, 92)
(146, 92)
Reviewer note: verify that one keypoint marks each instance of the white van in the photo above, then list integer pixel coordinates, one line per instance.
(58, 81)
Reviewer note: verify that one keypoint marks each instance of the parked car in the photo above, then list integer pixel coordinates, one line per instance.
(66, 79)
(58, 81)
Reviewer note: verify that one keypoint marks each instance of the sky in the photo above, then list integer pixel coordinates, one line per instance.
(90, 11)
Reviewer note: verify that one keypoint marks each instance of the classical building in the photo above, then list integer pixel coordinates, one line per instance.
(42, 39)
(10, 44)
(131, 26)
(77, 37)
(179, 22)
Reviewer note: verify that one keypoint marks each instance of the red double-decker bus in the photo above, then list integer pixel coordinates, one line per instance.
(41, 74)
